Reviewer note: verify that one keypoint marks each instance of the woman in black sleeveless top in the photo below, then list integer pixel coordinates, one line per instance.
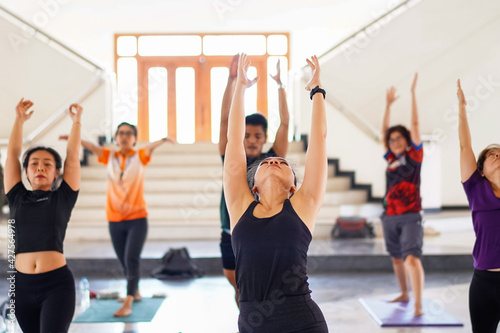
(271, 232)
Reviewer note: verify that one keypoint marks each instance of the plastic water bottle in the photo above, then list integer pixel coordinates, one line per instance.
(84, 293)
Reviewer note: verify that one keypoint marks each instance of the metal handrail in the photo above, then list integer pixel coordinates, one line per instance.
(52, 39)
(57, 115)
(100, 76)
(366, 27)
(352, 116)
(358, 121)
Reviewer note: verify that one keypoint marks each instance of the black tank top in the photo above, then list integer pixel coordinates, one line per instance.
(271, 255)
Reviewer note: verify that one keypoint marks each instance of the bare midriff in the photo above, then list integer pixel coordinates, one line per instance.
(39, 262)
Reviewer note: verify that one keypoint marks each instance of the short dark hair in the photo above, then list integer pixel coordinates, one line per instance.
(134, 129)
(402, 130)
(256, 119)
(252, 170)
(27, 154)
(482, 156)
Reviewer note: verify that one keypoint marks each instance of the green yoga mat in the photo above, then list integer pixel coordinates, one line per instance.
(101, 311)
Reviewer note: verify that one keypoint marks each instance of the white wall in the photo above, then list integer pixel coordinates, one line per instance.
(48, 77)
(358, 152)
(433, 39)
(94, 123)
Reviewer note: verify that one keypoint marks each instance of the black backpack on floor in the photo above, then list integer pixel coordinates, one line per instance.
(176, 264)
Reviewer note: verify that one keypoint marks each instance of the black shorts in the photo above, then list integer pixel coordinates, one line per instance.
(226, 249)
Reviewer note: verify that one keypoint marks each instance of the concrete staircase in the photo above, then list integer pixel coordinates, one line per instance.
(183, 185)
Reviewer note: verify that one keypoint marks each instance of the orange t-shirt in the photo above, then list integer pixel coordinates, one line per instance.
(125, 190)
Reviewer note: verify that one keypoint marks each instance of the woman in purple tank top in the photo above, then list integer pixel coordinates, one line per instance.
(481, 181)
(271, 235)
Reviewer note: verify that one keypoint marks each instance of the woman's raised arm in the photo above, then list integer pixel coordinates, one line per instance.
(236, 190)
(390, 97)
(415, 127)
(467, 159)
(153, 145)
(12, 171)
(72, 163)
(311, 193)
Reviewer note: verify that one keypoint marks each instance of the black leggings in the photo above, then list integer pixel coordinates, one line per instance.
(45, 302)
(484, 301)
(128, 238)
(284, 315)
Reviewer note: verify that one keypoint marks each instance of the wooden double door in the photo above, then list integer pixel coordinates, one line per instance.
(202, 67)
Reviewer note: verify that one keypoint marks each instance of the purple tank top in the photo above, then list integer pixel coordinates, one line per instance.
(485, 207)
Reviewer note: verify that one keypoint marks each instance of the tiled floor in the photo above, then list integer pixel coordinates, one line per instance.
(207, 304)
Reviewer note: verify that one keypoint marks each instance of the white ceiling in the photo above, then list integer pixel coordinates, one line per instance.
(88, 26)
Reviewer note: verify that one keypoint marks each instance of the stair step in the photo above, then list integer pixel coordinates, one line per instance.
(212, 199)
(176, 231)
(168, 159)
(188, 185)
(183, 184)
(92, 187)
(200, 159)
(186, 214)
(205, 147)
(157, 172)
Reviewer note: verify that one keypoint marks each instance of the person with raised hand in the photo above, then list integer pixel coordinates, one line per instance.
(44, 285)
(255, 138)
(272, 229)
(402, 218)
(481, 182)
(125, 205)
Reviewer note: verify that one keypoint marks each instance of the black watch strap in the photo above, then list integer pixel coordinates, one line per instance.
(317, 89)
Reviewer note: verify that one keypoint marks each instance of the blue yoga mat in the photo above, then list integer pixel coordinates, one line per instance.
(101, 311)
(397, 314)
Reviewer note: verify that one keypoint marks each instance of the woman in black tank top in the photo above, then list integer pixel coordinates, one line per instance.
(272, 230)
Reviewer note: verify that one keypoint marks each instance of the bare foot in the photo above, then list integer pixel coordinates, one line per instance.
(126, 309)
(402, 298)
(123, 312)
(137, 297)
(418, 310)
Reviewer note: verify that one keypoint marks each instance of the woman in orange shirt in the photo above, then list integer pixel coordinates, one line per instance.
(125, 205)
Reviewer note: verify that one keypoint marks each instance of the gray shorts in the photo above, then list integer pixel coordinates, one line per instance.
(403, 234)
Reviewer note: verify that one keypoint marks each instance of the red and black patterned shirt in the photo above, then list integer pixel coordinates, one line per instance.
(403, 181)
